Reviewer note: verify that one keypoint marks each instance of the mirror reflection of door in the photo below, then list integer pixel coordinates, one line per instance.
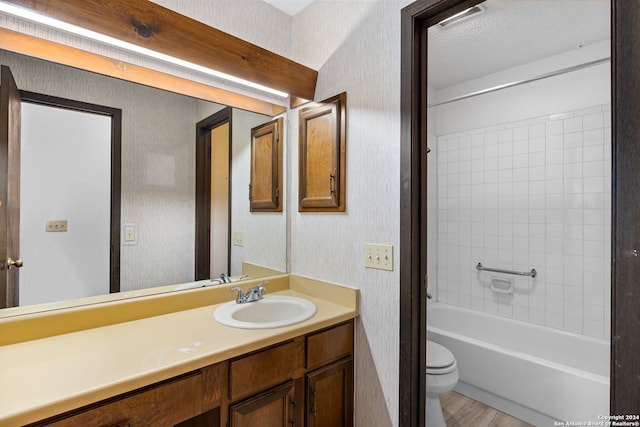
(66, 225)
(220, 201)
(63, 200)
(220, 187)
(10, 259)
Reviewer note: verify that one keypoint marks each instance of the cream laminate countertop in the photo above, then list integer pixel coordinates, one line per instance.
(52, 375)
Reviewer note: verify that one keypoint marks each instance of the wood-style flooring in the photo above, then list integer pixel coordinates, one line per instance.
(460, 411)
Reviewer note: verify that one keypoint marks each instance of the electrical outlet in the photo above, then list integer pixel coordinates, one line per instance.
(238, 238)
(378, 256)
(57, 226)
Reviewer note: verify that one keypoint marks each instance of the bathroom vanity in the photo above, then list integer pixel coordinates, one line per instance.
(185, 369)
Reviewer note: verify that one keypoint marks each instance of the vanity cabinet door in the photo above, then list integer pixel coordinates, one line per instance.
(330, 395)
(274, 408)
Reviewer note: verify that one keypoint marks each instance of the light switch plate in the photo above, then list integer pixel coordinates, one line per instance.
(57, 226)
(238, 238)
(129, 234)
(379, 256)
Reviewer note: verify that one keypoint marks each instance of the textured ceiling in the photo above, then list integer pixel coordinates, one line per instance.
(511, 33)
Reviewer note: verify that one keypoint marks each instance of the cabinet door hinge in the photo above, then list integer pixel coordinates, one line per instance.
(292, 420)
(277, 193)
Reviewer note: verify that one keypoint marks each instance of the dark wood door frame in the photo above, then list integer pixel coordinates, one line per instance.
(116, 180)
(203, 192)
(625, 270)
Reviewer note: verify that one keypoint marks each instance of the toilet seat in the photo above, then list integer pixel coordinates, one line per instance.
(440, 361)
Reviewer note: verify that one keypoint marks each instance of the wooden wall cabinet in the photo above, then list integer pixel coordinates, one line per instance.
(322, 156)
(306, 381)
(266, 167)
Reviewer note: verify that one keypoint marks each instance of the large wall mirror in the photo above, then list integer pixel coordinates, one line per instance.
(157, 195)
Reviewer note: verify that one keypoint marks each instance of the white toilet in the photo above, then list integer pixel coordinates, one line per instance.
(442, 377)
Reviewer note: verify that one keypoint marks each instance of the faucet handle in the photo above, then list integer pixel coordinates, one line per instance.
(260, 288)
(241, 296)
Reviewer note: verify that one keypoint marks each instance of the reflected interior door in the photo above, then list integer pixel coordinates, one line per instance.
(9, 189)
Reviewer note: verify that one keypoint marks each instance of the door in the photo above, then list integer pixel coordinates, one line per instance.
(266, 167)
(274, 408)
(204, 215)
(66, 198)
(9, 189)
(220, 200)
(330, 395)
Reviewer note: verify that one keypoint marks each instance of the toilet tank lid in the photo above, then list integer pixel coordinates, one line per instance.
(438, 356)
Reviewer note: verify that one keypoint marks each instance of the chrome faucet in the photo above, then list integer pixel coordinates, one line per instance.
(224, 278)
(254, 294)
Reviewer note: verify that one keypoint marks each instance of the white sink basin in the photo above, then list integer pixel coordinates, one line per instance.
(273, 311)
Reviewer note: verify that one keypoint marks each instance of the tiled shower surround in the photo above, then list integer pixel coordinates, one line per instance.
(529, 194)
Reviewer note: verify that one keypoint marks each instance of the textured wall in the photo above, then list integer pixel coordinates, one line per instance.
(356, 48)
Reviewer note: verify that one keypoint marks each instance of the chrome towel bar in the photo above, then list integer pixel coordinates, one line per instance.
(531, 273)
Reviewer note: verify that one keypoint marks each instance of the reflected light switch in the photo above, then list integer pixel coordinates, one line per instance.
(57, 226)
(129, 234)
(238, 238)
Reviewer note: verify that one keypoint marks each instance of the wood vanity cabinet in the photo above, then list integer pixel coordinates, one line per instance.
(305, 381)
(167, 403)
(329, 378)
(308, 381)
(329, 395)
(277, 407)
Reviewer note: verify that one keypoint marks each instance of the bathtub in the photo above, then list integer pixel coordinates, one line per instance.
(534, 373)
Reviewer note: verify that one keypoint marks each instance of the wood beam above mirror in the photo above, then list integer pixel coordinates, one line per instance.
(154, 27)
(65, 55)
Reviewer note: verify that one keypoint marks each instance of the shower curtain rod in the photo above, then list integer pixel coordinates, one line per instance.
(521, 82)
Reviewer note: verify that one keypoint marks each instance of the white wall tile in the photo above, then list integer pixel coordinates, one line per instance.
(573, 124)
(535, 196)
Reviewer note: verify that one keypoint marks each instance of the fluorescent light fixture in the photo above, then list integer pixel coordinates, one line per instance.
(79, 31)
(467, 13)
